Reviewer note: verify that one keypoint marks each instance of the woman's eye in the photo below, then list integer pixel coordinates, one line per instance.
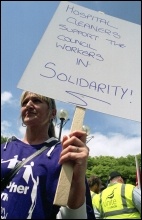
(36, 101)
(24, 103)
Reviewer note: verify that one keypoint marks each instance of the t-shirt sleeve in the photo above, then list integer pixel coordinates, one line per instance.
(67, 213)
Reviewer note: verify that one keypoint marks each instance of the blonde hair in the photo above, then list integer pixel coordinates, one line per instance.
(50, 102)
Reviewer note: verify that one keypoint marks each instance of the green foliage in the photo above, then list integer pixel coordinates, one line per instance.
(3, 139)
(102, 166)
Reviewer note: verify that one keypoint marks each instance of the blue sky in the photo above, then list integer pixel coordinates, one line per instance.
(23, 24)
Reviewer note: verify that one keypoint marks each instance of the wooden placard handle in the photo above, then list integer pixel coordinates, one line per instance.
(65, 178)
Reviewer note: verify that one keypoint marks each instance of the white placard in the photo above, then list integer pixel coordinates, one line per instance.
(89, 59)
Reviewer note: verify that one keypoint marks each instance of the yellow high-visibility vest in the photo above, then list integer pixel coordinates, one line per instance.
(115, 202)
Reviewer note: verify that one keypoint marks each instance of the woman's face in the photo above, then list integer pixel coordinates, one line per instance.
(34, 111)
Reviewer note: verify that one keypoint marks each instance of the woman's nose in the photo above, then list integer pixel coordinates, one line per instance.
(29, 104)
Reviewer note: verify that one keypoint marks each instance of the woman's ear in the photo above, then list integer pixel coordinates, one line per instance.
(53, 114)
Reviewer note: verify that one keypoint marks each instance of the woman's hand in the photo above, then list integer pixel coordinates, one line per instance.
(76, 152)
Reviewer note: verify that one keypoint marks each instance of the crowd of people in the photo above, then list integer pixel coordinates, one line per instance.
(117, 201)
(31, 191)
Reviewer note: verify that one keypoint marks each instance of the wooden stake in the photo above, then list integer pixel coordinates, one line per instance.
(65, 178)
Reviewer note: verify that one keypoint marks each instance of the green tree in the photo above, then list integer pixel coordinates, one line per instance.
(101, 166)
(3, 139)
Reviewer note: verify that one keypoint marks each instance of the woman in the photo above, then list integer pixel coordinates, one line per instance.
(31, 192)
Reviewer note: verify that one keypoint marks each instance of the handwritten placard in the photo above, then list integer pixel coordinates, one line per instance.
(89, 59)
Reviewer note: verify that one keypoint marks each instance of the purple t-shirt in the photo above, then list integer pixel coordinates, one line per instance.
(31, 192)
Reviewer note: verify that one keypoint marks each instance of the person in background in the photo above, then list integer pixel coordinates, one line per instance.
(118, 200)
(95, 185)
(31, 192)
